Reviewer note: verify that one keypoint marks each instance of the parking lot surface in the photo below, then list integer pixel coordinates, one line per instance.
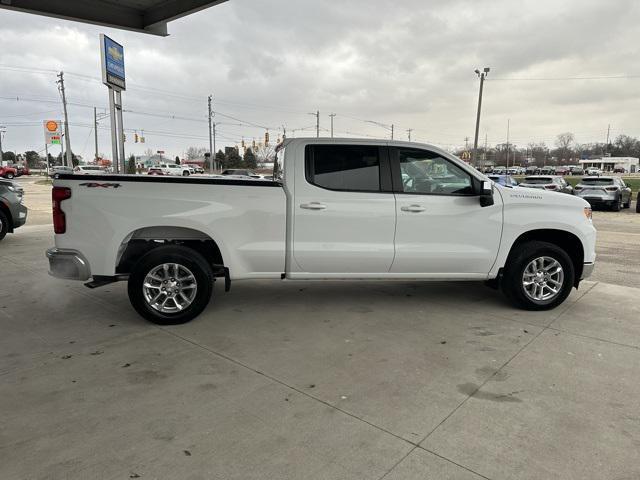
(327, 380)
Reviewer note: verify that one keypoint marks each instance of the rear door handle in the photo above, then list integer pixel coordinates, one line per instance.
(413, 208)
(313, 206)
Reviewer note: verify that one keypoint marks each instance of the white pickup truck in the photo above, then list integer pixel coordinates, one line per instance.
(336, 209)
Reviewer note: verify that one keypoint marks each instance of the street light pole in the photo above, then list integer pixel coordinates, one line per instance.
(2, 130)
(482, 76)
(210, 139)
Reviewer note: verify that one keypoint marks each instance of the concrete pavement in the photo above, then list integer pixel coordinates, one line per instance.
(330, 380)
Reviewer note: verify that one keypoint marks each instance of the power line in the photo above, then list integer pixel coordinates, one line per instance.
(551, 79)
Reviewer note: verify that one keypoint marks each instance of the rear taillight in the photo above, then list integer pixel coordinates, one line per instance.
(611, 189)
(58, 194)
(577, 187)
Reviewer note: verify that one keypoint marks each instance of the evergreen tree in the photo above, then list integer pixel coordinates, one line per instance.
(131, 165)
(221, 159)
(233, 159)
(250, 160)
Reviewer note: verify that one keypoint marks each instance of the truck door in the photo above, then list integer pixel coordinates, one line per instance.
(344, 211)
(442, 230)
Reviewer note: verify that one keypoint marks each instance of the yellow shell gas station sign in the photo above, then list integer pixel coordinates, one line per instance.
(52, 132)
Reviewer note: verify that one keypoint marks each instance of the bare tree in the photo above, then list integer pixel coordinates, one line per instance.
(563, 142)
(194, 153)
(264, 153)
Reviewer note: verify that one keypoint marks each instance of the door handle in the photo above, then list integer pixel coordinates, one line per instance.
(313, 206)
(413, 208)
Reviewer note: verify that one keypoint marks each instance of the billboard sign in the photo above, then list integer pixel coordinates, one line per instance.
(52, 132)
(112, 60)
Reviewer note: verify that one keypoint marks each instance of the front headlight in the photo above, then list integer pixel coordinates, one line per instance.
(588, 213)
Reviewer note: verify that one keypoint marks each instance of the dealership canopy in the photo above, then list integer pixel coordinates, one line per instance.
(146, 16)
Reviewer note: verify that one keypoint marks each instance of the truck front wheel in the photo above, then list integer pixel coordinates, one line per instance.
(170, 285)
(538, 276)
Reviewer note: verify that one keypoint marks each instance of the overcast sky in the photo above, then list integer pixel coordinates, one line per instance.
(270, 63)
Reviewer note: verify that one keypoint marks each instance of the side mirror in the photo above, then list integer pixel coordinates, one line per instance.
(486, 194)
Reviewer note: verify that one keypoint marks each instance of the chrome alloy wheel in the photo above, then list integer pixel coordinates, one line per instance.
(169, 288)
(542, 279)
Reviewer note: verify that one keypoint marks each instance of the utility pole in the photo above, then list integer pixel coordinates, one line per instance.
(211, 157)
(60, 83)
(508, 121)
(214, 143)
(392, 131)
(409, 130)
(95, 132)
(482, 76)
(484, 155)
(606, 145)
(332, 115)
(2, 131)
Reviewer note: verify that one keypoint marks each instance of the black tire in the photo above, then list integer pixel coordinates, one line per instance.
(628, 204)
(185, 257)
(185, 174)
(4, 224)
(520, 257)
(638, 204)
(9, 176)
(617, 206)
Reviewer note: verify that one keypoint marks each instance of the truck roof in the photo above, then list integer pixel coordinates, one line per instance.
(367, 141)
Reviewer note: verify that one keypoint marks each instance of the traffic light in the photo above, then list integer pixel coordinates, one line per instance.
(135, 138)
(124, 137)
(266, 138)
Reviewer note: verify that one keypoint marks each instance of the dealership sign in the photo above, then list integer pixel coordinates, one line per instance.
(112, 59)
(52, 132)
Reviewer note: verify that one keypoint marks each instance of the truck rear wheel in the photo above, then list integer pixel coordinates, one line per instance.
(538, 276)
(170, 285)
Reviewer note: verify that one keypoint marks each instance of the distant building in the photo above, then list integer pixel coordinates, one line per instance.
(151, 160)
(608, 164)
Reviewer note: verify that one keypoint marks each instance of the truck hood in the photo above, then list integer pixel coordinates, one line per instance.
(535, 196)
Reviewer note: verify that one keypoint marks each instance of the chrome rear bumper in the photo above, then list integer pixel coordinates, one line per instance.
(68, 264)
(587, 270)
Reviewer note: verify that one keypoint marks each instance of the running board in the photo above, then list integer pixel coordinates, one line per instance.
(102, 280)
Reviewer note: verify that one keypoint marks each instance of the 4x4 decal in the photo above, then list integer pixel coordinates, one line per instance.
(100, 185)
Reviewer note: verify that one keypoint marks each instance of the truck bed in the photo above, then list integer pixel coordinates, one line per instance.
(245, 218)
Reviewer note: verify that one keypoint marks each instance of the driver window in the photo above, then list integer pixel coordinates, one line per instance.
(427, 173)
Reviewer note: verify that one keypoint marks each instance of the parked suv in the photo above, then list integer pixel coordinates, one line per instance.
(13, 213)
(88, 170)
(605, 191)
(554, 183)
(175, 169)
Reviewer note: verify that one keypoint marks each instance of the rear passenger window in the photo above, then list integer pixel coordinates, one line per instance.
(343, 167)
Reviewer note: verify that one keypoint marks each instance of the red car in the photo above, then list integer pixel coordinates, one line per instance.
(8, 172)
(21, 170)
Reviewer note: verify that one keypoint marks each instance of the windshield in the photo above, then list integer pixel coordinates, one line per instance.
(597, 181)
(538, 180)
